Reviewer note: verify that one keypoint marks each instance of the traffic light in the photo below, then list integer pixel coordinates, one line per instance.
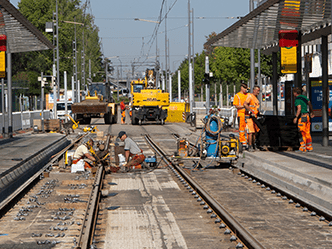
(3, 43)
(53, 81)
(206, 78)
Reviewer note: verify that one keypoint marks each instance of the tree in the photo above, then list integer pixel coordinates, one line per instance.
(38, 12)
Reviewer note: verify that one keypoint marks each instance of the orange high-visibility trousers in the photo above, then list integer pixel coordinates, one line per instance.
(242, 129)
(123, 114)
(304, 128)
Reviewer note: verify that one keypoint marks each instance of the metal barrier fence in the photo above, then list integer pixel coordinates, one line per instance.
(23, 120)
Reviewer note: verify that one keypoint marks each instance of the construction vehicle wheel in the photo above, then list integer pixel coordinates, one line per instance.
(162, 122)
(140, 121)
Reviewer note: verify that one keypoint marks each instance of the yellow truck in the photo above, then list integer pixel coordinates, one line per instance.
(148, 102)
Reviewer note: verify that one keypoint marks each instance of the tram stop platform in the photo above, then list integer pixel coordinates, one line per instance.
(305, 175)
(22, 147)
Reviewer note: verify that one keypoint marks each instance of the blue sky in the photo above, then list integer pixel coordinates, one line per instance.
(122, 36)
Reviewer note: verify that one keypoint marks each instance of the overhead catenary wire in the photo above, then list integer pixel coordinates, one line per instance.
(155, 32)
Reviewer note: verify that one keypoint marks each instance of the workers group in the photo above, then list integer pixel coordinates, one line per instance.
(247, 105)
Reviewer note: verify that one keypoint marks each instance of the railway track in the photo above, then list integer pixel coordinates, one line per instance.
(217, 211)
(275, 190)
(63, 210)
(204, 187)
(53, 208)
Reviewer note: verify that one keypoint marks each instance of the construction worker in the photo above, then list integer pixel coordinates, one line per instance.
(252, 109)
(302, 118)
(238, 102)
(123, 112)
(83, 152)
(131, 150)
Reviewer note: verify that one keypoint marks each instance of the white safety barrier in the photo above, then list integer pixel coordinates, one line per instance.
(23, 120)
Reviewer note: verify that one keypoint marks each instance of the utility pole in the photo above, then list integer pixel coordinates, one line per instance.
(83, 53)
(179, 86)
(118, 87)
(189, 63)
(193, 50)
(252, 54)
(170, 87)
(207, 83)
(166, 43)
(73, 89)
(89, 69)
(66, 95)
(42, 82)
(57, 84)
(75, 66)
(3, 105)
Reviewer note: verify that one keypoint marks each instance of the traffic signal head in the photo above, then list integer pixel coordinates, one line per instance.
(206, 78)
(53, 81)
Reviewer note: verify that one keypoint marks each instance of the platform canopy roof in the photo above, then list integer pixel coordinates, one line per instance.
(259, 29)
(22, 36)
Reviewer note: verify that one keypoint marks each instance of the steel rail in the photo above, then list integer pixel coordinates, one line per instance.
(26, 184)
(230, 221)
(84, 241)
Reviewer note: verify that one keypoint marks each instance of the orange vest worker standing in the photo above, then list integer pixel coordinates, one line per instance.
(252, 109)
(123, 112)
(302, 119)
(238, 102)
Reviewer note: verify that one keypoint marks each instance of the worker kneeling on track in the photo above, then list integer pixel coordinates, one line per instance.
(131, 150)
(83, 152)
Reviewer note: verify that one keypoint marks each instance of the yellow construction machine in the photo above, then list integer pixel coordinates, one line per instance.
(99, 103)
(148, 102)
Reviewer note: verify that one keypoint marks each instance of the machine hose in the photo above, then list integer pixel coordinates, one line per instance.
(207, 125)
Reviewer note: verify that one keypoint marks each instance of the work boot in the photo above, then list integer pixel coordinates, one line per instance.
(251, 149)
(256, 148)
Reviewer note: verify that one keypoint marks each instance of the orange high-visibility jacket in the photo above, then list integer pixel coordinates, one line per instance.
(239, 100)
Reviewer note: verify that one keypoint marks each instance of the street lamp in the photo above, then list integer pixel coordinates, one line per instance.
(143, 20)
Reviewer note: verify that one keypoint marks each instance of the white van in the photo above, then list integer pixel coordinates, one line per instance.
(61, 109)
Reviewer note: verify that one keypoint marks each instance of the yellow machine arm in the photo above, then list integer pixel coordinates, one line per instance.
(75, 125)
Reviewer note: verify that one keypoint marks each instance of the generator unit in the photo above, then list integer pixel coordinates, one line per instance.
(216, 143)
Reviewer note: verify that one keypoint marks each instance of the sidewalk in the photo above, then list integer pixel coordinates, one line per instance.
(306, 175)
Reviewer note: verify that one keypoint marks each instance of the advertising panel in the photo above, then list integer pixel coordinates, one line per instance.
(317, 103)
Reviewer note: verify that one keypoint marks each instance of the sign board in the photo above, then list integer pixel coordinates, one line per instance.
(2, 61)
(316, 100)
(288, 60)
(288, 38)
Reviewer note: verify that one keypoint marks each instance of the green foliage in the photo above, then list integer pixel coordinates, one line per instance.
(228, 65)
(38, 12)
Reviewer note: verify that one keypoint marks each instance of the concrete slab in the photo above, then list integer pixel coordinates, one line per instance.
(305, 177)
